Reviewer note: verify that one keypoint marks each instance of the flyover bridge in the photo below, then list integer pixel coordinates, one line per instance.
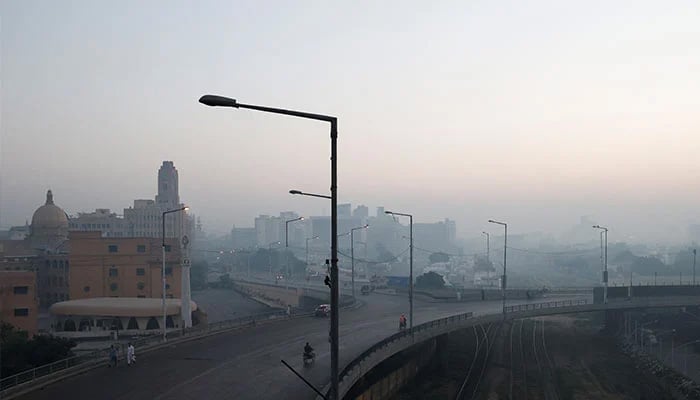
(245, 363)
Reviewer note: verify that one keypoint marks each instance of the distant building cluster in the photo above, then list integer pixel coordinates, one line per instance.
(383, 231)
(93, 255)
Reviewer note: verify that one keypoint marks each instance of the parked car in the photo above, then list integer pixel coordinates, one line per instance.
(322, 310)
(366, 289)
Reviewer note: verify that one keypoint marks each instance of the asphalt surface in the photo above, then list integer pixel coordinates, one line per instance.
(225, 304)
(245, 364)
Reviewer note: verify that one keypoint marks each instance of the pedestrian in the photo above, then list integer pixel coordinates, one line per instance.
(112, 356)
(130, 355)
(289, 310)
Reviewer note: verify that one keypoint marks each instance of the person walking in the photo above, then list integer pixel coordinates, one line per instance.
(130, 355)
(112, 356)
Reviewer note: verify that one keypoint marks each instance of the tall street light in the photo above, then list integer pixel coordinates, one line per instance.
(286, 245)
(695, 253)
(505, 248)
(307, 249)
(163, 269)
(605, 263)
(410, 273)
(352, 255)
(488, 247)
(269, 254)
(228, 102)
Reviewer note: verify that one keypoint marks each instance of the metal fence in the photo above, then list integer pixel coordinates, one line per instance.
(549, 304)
(142, 344)
(398, 336)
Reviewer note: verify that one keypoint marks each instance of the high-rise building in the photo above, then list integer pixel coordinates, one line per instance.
(267, 230)
(103, 220)
(243, 238)
(344, 210)
(361, 211)
(168, 196)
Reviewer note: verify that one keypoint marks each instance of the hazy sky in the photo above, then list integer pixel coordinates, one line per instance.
(532, 112)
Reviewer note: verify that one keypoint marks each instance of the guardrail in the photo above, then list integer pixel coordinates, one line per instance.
(398, 336)
(549, 304)
(141, 344)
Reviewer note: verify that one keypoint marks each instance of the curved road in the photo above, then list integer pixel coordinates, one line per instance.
(245, 364)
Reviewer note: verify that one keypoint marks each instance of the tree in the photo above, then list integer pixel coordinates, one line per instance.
(19, 353)
(439, 257)
(384, 255)
(430, 280)
(648, 265)
(482, 264)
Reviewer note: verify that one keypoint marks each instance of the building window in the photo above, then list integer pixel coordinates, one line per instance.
(113, 248)
(86, 289)
(113, 272)
(140, 285)
(20, 290)
(21, 312)
(66, 264)
(168, 270)
(113, 287)
(140, 271)
(167, 286)
(141, 248)
(54, 264)
(168, 248)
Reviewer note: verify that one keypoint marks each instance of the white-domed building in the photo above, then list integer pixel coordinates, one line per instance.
(49, 229)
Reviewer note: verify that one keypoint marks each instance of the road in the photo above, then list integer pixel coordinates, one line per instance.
(245, 364)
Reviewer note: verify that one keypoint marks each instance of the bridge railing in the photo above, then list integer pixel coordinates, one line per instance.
(548, 304)
(398, 336)
(142, 344)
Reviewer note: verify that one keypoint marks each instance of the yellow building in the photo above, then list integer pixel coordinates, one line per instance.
(18, 299)
(122, 267)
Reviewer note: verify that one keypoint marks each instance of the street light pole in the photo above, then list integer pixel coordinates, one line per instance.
(605, 271)
(286, 246)
(488, 248)
(212, 100)
(505, 249)
(410, 273)
(695, 253)
(307, 249)
(269, 255)
(165, 316)
(352, 256)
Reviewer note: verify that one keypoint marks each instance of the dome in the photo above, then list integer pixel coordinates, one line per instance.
(49, 215)
(49, 222)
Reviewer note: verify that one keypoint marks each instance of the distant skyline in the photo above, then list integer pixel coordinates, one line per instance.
(533, 113)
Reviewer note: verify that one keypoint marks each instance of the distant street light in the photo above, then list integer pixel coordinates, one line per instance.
(695, 253)
(307, 249)
(269, 254)
(505, 248)
(165, 316)
(213, 100)
(410, 273)
(286, 246)
(352, 255)
(605, 271)
(488, 248)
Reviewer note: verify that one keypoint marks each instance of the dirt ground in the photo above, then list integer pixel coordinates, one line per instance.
(564, 357)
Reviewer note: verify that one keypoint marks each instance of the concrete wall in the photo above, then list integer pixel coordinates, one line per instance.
(623, 292)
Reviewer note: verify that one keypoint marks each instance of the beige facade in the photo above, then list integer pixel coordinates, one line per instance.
(19, 304)
(122, 267)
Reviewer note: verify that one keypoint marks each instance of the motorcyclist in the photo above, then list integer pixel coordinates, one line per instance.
(308, 351)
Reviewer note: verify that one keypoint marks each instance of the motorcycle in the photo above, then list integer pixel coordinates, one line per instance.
(309, 359)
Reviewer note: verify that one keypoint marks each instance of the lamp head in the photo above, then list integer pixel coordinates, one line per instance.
(217, 101)
(295, 192)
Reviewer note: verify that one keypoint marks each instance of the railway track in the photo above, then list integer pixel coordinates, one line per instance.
(485, 338)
